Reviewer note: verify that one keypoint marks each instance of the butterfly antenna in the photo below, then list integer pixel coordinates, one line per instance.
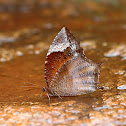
(27, 86)
(32, 84)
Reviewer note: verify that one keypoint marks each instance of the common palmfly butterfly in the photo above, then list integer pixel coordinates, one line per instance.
(68, 72)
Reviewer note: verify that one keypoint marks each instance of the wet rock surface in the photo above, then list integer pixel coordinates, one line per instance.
(25, 36)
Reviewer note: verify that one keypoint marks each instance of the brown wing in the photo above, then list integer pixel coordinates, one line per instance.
(59, 52)
(67, 71)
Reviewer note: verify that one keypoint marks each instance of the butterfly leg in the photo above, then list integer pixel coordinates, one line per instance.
(48, 97)
(41, 95)
(52, 93)
(43, 90)
(58, 95)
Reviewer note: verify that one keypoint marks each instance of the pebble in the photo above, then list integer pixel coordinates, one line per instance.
(19, 53)
(90, 44)
(120, 72)
(122, 87)
(119, 50)
(7, 55)
(3, 60)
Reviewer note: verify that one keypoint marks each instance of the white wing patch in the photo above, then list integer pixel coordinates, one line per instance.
(58, 48)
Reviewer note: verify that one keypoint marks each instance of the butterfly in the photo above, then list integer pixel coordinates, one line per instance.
(68, 72)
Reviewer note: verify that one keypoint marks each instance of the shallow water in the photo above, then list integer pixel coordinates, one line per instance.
(25, 40)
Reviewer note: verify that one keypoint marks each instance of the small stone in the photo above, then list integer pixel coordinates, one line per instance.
(120, 72)
(116, 51)
(19, 53)
(3, 60)
(30, 46)
(37, 52)
(88, 44)
(16, 113)
(122, 87)
(104, 43)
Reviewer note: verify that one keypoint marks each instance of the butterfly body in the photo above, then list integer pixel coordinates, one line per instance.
(67, 70)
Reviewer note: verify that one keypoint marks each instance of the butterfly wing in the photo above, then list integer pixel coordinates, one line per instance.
(59, 52)
(67, 70)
